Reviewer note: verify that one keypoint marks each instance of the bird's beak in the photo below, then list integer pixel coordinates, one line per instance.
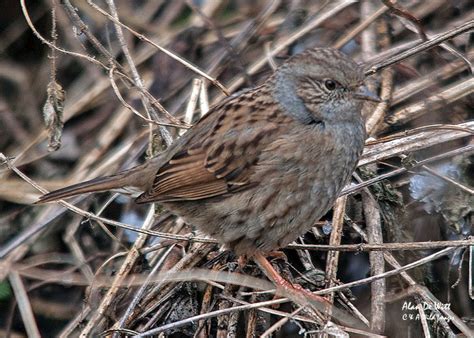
(363, 93)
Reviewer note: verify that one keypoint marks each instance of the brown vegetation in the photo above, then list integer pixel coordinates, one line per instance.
(88, 88)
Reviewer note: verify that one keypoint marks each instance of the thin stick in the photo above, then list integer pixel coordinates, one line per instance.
(421, 47)
(377, 264)
(332, 260)
(24, 305)
(164, 50)
(409, 246)
(137, 80)
(125, 269)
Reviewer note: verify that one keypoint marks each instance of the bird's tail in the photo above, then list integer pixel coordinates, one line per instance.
(95, 185)
(132, 180)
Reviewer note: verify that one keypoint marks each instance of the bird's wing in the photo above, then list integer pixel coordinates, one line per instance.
(219, 155)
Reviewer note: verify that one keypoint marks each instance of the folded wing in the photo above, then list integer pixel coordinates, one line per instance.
(212, 162)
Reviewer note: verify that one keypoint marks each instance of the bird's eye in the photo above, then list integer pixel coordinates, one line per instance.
(330, 84)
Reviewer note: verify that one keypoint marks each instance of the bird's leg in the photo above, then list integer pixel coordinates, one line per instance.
(242, 262)
(286, 286)
(316, 305)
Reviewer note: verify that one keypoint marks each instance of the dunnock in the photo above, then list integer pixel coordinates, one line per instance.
(266, 163)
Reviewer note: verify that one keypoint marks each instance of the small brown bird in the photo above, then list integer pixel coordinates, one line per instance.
(264, 165)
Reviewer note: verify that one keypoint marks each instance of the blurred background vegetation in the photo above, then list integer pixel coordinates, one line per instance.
(84, 96)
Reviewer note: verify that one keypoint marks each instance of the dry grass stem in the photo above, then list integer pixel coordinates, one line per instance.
(119, 81)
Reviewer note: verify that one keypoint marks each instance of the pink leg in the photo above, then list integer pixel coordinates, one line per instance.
(292, 289)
